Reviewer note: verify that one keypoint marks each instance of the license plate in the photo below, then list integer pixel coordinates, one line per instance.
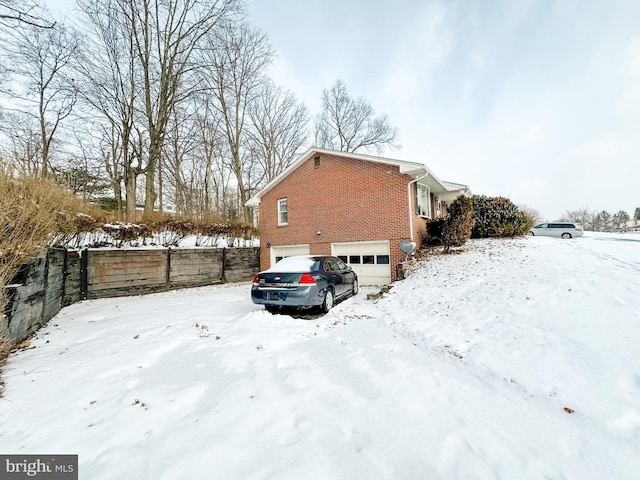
(276, 296)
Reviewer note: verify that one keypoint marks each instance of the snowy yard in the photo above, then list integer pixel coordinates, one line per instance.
(513, 359)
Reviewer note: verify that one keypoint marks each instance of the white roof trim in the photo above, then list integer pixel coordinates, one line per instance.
(412, 169)
(451, 186)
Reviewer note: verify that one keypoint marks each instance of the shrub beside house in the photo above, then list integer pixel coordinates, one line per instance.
(357, 207)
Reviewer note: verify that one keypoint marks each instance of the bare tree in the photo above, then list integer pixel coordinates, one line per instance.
(279, 130)
(583, 216)
(620, 219)
(602, 222)
(83, 172)
(349, 124)
(166, 35)
(112, 154)
(142, 70)
(21, 13)
(108, 84)
(237, 59)
(22, 142)
(533, 214)
(182, 172)
(213, 149)
(40, 67)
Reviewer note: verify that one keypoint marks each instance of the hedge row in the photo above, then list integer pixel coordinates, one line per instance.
(168, 232)
(477, 217)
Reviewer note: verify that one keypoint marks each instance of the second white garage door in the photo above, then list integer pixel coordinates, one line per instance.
(370, 260)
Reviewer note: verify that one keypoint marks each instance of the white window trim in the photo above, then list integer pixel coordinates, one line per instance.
(280, 211)
(427, 213)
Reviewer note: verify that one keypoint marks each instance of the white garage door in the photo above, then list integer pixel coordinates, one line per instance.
(278, 253)
(370, 260)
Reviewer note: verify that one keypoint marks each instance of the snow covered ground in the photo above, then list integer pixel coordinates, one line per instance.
(512, 359)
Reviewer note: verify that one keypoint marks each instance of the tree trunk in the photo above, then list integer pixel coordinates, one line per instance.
(130, 186)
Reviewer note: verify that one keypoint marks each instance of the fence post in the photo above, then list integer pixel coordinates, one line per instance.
(64, 277)
(167, 273)
(224, 264)
(45, 286)
(84, 274)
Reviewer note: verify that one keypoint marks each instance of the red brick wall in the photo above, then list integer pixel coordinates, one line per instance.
(348, 200)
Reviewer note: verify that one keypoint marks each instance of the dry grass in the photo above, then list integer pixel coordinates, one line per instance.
(5, 348)
(32, 210)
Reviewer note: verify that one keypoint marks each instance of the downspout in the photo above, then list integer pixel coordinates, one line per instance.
(409, 199)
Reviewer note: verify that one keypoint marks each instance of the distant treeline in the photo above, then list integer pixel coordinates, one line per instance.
(601, 221)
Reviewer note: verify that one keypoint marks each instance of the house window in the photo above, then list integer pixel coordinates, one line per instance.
(423, 200)
(283, 215)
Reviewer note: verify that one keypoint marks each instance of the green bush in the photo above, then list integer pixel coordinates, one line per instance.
(433, 232)
(497, 217)
(109, 204)
(458, 224)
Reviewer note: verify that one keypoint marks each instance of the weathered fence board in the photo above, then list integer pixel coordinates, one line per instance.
(241, 264)
(72, 282)
(62, 278)
(193, 267)
(114, 273)
(54, 283)
(26, 302)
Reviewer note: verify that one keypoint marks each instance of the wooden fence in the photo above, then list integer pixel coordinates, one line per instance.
(63, 277)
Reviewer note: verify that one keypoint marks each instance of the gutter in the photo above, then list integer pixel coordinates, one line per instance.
(409, 199)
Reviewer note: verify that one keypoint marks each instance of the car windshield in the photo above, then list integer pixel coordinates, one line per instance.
(296, 264)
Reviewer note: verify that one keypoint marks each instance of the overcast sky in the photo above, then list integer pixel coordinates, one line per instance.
(535, 100)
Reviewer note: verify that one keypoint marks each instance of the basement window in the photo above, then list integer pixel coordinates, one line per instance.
(283, 213)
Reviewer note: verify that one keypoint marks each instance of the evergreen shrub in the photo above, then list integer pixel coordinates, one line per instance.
(433, 232)
(497, 217)
(458, 223)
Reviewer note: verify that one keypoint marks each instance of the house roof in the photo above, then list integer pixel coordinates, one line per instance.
(413, 169)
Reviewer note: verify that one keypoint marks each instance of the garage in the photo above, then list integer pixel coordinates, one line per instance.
(370, 260)
(283, 251)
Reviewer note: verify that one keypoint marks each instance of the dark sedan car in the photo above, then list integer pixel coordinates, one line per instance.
(304, 281)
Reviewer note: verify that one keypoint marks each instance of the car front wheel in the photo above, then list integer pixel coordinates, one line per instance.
(355, 288)
(532, 234)
(327, 304)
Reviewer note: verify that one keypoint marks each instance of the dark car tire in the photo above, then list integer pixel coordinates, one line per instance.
(355, 288)
(327, 303)
(566, 235)
(532, 234)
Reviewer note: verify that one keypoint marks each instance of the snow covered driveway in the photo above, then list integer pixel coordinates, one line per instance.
(513, 359)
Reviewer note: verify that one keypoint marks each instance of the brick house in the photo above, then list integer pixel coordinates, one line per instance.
(357, 207)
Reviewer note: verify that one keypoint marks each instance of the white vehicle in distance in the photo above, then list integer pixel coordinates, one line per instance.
(557, 229)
